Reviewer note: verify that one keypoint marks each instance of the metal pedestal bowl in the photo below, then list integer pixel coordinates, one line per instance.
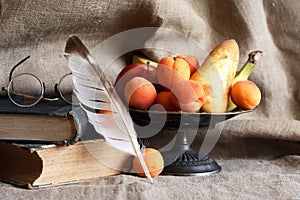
(180, 159)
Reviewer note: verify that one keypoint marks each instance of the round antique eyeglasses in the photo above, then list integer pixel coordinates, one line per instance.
(35, 88)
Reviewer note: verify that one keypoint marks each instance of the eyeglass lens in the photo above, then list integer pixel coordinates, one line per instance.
(25, 90)
(65, 88)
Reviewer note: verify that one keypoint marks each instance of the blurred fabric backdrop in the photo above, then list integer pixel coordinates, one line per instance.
(40, 29)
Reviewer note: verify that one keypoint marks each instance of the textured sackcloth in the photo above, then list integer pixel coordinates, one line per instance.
(250, 143)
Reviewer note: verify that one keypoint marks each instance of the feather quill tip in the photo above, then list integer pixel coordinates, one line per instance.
(149, 177)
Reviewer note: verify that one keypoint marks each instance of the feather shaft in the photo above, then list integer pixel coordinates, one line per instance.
(74, 46)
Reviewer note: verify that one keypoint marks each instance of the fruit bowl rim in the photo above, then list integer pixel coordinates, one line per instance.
(237, 112)
(202, 120)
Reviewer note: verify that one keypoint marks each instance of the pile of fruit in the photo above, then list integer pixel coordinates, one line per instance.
(179, 83)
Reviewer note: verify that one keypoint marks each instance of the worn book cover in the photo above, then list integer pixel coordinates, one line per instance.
(35, 166)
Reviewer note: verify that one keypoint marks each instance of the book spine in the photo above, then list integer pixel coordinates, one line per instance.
(17, 184)
(80, 123)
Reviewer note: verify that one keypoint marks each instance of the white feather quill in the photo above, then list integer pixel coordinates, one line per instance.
(95, 92)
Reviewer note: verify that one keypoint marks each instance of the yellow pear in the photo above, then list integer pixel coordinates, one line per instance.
(216, 75)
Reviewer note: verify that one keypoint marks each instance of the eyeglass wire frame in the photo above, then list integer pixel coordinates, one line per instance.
(42, 87)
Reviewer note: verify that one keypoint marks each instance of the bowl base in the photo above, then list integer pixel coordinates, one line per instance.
(191, 164)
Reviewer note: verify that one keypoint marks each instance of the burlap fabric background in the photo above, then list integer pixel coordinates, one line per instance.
(250, 143)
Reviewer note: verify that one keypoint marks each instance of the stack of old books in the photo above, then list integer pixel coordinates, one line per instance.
(40, 147)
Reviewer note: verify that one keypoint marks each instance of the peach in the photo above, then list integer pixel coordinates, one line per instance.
(134, 70)
(190, 95)
(192, 61)
(165, 98)
(245, 95)
(188, 107)
(171, 70)
(140, 93)
(154, 162)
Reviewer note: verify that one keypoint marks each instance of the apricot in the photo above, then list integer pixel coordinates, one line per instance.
(245, 95)
(140, 93)
(153, 160)
(106, 112)
(192, 61)
(171, 70)
(165, 98)
(190, 95)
